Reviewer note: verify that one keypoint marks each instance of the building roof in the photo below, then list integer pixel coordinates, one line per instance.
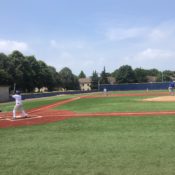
(85, 80)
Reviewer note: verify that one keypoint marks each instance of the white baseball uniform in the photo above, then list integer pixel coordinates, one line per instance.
(18, 106)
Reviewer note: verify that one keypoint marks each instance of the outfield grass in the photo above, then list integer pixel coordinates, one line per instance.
(137, 91)
(116, 104)
(91, 146)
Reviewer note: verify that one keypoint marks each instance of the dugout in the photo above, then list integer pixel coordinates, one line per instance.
(4, 93)
(135, 86)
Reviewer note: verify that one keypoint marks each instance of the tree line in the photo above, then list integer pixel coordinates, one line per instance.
(27, 73)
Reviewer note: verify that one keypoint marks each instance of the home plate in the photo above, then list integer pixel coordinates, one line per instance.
(19, 118)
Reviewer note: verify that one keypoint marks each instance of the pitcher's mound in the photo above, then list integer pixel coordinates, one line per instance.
(162, 99)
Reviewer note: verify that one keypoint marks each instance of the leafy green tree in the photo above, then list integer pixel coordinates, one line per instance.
(3, 61)
(16, 69)
(76, 85)
(95, 80)
(51, 78)
(153, 72)
(31, 72)
(114, 74)
(126, 74)
(103, 77)
(5, 77)
(26, 73)
(140, 75)
(42, 74)
(68, 80)
(82, 75)
(166, 75)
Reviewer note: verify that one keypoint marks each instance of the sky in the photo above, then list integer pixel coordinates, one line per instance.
(90, 34)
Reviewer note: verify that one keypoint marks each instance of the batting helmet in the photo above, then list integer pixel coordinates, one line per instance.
(18, 92)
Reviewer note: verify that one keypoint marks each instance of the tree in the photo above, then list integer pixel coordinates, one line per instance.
(103, 77)
(165, 76)
(140, 75)
(82, 75)
(152, 72)
(126, 74)
(43, 75)
(16, 69)
(95, 80)
(5, 77)
(31, 73)
(26, 73)
(68, 80)
(52, 78)
(3, 61)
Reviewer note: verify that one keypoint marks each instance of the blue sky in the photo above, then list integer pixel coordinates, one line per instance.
(90, 34)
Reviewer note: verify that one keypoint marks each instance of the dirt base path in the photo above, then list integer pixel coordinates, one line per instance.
(46, 114)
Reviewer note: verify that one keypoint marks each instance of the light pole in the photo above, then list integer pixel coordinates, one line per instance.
(98, 85)
(162, 76)
(98, 81)
(14, 87)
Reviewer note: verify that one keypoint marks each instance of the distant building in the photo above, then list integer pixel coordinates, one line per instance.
(43, 89)
(85, 84)
(111, 80)
(151, 79)
(4, 93)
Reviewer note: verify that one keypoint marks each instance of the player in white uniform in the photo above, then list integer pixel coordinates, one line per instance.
(18, 106)
(105, 91)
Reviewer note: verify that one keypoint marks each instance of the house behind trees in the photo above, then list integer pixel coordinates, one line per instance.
(85, 84)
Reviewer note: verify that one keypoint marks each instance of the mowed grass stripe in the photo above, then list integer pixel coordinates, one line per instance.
(91, 146)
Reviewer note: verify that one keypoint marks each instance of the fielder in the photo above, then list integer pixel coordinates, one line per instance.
(18, 106)
(171, 88)
(105, 91)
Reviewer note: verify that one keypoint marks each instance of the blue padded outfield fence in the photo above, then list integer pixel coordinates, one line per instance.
(135, 86)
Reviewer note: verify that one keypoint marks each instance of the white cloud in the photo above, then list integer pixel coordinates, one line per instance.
(123, 33)
(53, 43)
(155, 54)
(151, 58)
(9, 46)
(157, 34)
(66, 44)
(163, 32)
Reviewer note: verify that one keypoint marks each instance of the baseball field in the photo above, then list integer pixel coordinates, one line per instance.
(121, 133)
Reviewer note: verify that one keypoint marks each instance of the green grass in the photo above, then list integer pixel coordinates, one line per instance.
(116, 104)
(34, 103)
(91, 146)
(137, 91)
